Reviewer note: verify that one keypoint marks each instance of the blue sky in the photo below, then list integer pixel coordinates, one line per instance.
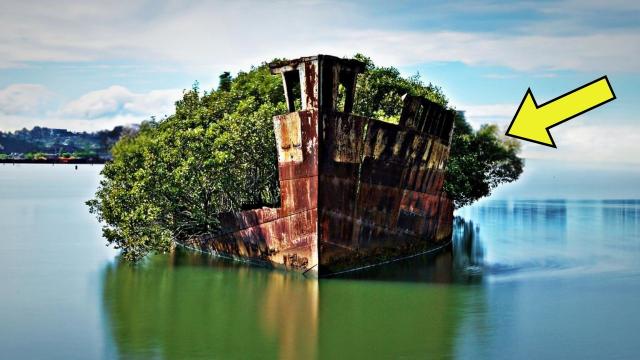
(93, 65)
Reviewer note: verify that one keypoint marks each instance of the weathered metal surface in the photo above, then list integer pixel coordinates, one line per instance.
(284, 236)
(354, 191)
(380, 188)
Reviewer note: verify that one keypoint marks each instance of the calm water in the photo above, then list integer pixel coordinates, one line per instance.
(525, 279)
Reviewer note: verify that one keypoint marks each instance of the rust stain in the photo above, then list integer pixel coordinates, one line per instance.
(289, 139)
(355, 191)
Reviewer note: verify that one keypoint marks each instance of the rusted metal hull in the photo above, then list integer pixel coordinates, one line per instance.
(355, 191)
(380, 193)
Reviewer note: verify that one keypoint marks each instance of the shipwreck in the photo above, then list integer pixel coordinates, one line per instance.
(355, 191)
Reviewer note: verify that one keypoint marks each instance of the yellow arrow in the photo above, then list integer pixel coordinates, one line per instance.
(532, 121)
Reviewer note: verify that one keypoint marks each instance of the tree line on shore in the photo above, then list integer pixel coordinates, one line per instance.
(47, 144)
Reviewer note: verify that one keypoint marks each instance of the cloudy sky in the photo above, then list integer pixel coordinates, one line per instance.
(89, 65)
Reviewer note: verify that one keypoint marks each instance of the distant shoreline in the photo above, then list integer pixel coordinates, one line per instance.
(54, 161)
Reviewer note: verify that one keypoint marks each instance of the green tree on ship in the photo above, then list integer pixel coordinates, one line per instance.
(217, 153)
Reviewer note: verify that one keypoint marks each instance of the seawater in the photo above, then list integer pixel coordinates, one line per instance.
(524, 279)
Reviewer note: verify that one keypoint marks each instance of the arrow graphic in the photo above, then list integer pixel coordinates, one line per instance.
(532, 121)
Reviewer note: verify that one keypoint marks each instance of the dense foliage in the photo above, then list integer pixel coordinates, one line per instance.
(379, 91)
(217, 153)
(42, 140)
(479, 161)
(172, 178)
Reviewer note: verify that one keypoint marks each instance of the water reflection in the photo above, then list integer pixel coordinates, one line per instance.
(523, 279)
(623, 217)
(461, 262)
(192, 306)
(468, 252)
(550, 237)
(414, 308)
(187, 305)
(513, 278)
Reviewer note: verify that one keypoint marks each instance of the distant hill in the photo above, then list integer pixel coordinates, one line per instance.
(58, 142)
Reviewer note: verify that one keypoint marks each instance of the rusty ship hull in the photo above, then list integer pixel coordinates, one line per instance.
(355, 191)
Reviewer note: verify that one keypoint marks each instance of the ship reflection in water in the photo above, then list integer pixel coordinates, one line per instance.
(188, 305)
(194, 306)
(459, 263)
(524, 279)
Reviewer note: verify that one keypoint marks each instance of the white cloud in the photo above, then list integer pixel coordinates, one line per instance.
(588, 138)
(16, 122)
(237, 34)
(20, 106)
(583, 142)
(154, 103)
(591, 52)
(118, 100)
(234, 35)
(477, 115)
(23, 98)
(597, 6)
(99, 103)
(489, 110)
